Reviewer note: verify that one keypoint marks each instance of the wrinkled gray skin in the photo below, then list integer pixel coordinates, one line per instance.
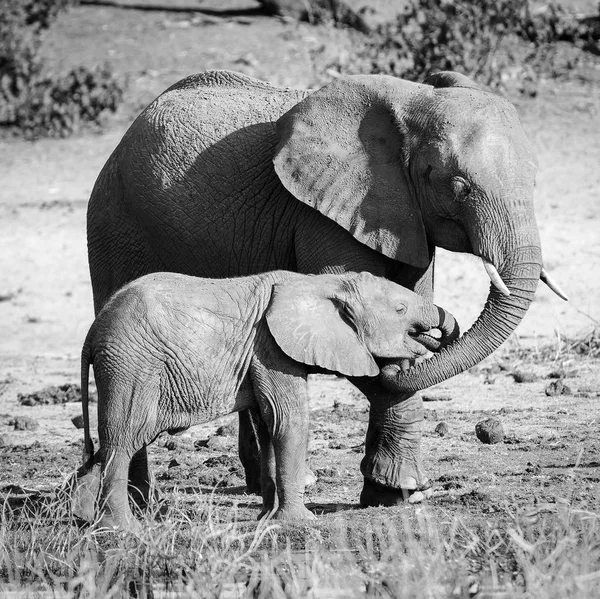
(170, 351)
(223, 175)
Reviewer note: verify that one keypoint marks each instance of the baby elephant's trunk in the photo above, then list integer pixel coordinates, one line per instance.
(438, 318)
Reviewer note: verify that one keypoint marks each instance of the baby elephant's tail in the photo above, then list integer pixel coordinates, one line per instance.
(88, 452)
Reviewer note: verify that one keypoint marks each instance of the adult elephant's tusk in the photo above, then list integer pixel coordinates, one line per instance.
(495, 277)
(546, 278)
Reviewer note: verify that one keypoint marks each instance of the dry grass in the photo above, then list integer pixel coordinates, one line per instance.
(583, 345)
(191, 547)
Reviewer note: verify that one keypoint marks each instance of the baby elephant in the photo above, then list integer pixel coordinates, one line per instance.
(171, 351)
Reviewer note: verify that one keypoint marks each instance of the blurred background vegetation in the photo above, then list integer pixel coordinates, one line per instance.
(503, 44)
(35, 100)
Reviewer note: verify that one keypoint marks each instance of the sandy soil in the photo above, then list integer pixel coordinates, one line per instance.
(46, 307)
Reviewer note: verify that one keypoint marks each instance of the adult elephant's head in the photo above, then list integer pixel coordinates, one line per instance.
(405, 167)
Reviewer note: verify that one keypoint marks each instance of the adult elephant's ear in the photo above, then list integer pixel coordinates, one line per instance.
(345, 150)
(450, 79)
(306, 323)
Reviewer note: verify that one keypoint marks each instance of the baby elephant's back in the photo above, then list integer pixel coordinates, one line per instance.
(196, 332)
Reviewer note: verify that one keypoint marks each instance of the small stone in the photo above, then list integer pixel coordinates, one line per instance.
(524, 377)
(557, 387)
(170, 445)
(200, 444)
(24, 423)
(231, 463)
(327, 473)
(561, 373)
(441, 429)
(533, 468)
(78, 420)
(489, 431)
(489, 379)
(227, 430)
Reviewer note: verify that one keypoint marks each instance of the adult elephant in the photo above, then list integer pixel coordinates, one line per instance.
(224, 175)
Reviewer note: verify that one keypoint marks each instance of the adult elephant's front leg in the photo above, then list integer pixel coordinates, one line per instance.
(392, 466)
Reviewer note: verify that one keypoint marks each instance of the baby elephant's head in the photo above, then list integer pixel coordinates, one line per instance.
(343, 322)
(393, 321)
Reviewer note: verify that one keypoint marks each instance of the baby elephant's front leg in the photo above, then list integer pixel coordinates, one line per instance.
(281, 390)
(289, 444)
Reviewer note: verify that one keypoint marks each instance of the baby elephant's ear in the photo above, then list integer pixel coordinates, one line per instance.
(309, 328)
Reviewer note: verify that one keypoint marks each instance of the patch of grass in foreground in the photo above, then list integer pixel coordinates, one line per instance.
(199, 549)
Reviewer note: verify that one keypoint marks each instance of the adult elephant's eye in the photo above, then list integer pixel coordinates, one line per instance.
(461, 187)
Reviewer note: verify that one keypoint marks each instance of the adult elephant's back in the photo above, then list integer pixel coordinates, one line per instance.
(182, 190)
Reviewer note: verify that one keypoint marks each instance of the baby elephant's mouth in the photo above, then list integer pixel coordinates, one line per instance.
(431, 340)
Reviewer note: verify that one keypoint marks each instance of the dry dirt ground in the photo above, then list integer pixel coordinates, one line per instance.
(552, 449)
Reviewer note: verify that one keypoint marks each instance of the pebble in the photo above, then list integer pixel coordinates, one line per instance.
(557, 387)
(227, 430)
(170, 445)
(24, 423)
(78, 420)
(489, 431)
(441, 429)
(524, 377)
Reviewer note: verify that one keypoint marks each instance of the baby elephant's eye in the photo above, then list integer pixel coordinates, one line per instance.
(401, 309)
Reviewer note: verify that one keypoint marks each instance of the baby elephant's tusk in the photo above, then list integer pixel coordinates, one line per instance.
(546, 278)
(495, 277)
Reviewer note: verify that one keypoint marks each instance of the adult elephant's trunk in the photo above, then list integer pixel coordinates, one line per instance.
(498, 319)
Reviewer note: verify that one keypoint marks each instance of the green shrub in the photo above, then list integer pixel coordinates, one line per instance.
(58, 107)
(33, 100)
(491, 41)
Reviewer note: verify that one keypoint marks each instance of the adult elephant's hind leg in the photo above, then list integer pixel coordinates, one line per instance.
(114, 500)
(139, 479)
(249, 448)
(392, 467)
(268, 471)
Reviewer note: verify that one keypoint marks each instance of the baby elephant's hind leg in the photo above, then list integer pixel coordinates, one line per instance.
(114, 499)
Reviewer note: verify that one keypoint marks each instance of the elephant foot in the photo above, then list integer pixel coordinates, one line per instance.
(120, 524)
(310, 478)
(374, 494)
(295, 513)
(83, 490)
(253, 486)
